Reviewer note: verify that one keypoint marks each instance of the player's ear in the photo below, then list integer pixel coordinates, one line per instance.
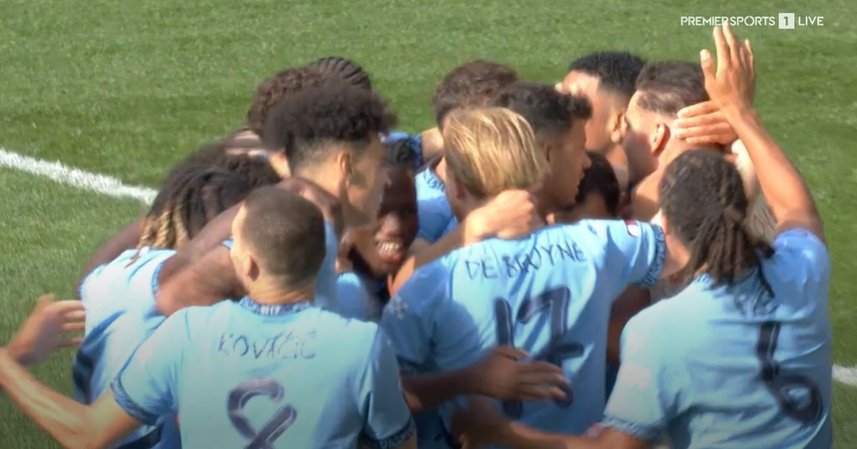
(278, 162)
(251, 268)
(345, 163)
(658, 140)
(616, 126)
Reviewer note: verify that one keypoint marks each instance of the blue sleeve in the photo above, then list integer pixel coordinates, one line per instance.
(387, 419)
(408, 319)
(326, 282)
(634, 251)
(800, 257)
(430, 331)
(146, 386)
(354, 300)
(644, 398)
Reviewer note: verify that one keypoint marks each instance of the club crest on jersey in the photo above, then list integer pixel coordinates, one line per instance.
(633, 228)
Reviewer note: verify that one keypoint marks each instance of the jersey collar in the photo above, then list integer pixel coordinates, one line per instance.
(274, 309)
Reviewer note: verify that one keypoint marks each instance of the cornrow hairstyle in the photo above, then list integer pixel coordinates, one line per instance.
(702, 197)
(191, 196)
(344, 68)
(273, 90)
(617, 71)
(667, 87)
(244, 158)
(400, 154)
(470, 85)
(600, 178)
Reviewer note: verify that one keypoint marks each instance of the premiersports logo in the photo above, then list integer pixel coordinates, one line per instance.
(783, 21)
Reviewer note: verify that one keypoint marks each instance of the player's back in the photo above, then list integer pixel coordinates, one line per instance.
(549, 294)
(119, 298)
(292, 377)
(750, 369)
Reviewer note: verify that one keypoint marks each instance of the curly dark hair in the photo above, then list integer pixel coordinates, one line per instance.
(617, 71)
(703, 200)
(308, 121)
(600, 178)
(344, 68)
(273, 90)
(550, 113)
(472, 84)
(667, 87)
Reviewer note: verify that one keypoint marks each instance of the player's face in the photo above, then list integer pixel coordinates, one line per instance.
(597, 132)
(364, 186)
(638, 138)
(383, 245)
(568, 162)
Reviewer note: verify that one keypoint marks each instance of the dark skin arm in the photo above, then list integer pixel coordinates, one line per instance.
(629, 303)
(483, 424)
(500, 374)
(126, 239)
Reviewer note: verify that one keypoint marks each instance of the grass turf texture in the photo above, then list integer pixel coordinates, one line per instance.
(128, 88)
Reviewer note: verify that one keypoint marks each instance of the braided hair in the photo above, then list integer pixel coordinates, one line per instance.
(344, 68)
(191, 196)
(702, 197)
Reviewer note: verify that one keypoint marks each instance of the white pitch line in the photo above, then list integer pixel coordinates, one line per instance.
(845, 375)
(70, 176)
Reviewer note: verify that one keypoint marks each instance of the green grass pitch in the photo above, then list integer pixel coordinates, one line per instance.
(128, 88)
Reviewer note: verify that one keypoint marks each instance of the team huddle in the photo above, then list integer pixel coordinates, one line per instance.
(625, 259)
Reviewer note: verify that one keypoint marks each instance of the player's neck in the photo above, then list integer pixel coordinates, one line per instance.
(324, 177)
(271, 291)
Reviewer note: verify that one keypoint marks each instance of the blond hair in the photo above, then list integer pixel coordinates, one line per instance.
(490, 150)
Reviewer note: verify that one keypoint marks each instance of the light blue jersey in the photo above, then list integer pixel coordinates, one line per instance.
(241, 374)
(119, 298)
(360, 297)
(435, 215)
(549, 294)
(747, 370)
(325, 286)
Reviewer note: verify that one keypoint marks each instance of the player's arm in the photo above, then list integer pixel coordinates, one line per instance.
(511, 214)
(482, 424)
(124, 240)
(203, 282)
(70, 423)
(731, 84)
(501, 374)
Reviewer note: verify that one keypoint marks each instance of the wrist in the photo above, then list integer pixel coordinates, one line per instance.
(13, 352)
(739, 113)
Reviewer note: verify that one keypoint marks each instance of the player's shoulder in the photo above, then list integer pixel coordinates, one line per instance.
(354, 332)
(800, 246)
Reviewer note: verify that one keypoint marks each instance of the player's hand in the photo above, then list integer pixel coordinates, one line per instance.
(704, 124)
(502, 375)
(479, 424)
(511, 214)
(731, 84)
(51, 325)
(330, 207)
